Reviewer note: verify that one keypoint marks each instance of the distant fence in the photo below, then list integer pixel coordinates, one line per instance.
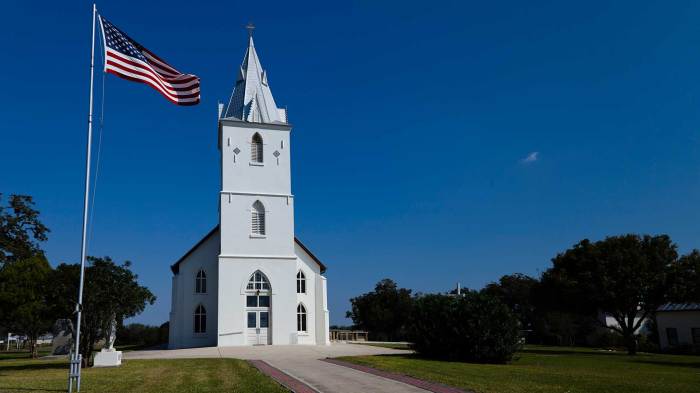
(349, 335)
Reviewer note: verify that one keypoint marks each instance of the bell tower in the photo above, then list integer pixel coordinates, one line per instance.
(256, 205)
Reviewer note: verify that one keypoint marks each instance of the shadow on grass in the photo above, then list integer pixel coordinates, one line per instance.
(33, 366)
(140, 347)
(414, 356)
(668, 363)
(570, 352)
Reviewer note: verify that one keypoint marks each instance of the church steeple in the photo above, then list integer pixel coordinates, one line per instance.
(251, 99)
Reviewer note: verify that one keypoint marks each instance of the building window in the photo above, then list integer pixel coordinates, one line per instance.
(672, 336)
(252, 322)
(200, 282)
(257, 301)
(301, 318)
(258, 219)
(258, 282)
(256, 148)
(301, 282)
(200, 319)
(695, 333)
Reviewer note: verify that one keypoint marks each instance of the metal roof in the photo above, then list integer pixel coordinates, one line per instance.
(251, 99)
(679, 307)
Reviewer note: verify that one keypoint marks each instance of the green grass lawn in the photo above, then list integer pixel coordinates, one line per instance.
(182, 375)
(555, 369)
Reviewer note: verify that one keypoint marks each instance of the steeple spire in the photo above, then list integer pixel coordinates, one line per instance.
(251, 99)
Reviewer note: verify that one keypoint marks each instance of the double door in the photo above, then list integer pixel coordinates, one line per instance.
(258, 318)
(258, 322)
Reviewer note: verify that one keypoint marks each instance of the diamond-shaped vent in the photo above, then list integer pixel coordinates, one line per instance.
(276, 153)
(236, 151)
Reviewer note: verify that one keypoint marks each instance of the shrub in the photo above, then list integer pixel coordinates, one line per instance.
(144, 335)
(474, 327)
(606, 339)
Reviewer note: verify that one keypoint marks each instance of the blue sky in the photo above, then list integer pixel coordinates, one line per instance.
(413, 124)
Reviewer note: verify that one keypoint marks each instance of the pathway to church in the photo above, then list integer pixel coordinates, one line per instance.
(303, 362)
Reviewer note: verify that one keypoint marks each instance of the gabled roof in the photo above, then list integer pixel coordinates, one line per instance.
(251, 99)
(175, 267)
(306, 250)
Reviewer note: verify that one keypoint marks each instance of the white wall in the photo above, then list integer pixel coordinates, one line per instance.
(273, 176)
(612, 322)
(236, 211)
(683, 321)
(244, 182)
(323, 336)
(234, 274)
(311, 271)
(185, 300)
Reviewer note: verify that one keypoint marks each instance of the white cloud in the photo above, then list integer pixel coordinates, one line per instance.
(532, 157)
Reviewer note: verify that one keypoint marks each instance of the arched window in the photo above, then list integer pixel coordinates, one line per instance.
(258, 282)
(301, 318)
(256, 148)
(301, 282)
(258, 219)
(200, 319)
(258, 289)
(200, 282)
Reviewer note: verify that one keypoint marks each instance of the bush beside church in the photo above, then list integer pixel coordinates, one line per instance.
(473, 327)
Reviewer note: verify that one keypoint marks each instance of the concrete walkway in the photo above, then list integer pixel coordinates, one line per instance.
(302, 362)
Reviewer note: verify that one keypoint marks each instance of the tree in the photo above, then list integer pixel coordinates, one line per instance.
(516, 291)
(686, 279)
(20, 229)
(138, 334)
(111, 292)
(627, 277)
(63, 290)
(383, 312)
(25, 306)
(475, 327)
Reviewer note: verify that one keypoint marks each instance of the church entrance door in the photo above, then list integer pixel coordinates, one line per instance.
(258, 327)
(258, 310)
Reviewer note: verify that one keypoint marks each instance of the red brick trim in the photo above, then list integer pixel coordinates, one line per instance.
(419, 383)
(282, 378)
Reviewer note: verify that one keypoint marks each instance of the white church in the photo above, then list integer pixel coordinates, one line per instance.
(250, 281)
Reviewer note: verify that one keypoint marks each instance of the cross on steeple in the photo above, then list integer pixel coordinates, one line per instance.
(250, 27)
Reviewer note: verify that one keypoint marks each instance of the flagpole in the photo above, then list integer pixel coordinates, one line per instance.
(74, 373)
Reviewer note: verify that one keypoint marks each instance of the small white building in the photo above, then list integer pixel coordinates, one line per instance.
(679, 325)
(250, 281)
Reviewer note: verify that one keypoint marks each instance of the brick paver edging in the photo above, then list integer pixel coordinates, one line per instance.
(419, 383)
(282, 378)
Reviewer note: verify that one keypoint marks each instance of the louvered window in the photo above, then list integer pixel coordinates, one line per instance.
(256, 149)
(258, 219)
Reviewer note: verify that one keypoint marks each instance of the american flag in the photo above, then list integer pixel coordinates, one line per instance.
(128, 59)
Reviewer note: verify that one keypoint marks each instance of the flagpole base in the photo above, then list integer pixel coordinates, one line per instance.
(74, 374)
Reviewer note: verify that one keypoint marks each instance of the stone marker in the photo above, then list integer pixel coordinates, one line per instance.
(62, 337)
